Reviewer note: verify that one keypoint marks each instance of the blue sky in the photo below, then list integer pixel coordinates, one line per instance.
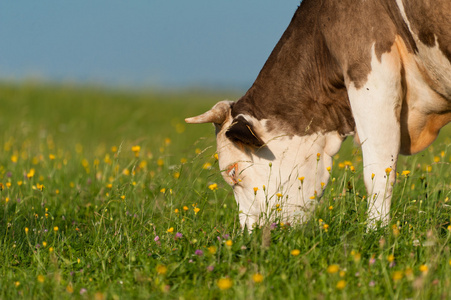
(153, 43)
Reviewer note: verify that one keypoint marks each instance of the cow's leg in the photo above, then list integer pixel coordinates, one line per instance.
(376, 108)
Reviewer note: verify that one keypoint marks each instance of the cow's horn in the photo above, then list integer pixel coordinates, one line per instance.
(217, 114)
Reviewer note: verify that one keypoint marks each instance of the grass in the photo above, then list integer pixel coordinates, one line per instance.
(87, 214)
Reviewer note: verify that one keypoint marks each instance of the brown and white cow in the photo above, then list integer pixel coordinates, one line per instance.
(376, 69)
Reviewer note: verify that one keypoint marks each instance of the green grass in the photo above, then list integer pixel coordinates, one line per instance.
(91, 230)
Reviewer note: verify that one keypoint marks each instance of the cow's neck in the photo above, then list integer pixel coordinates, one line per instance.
(300, 89)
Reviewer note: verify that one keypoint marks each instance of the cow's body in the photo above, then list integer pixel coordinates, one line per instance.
(377, 69)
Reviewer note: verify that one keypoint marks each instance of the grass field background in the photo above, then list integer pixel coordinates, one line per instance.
(107, 194)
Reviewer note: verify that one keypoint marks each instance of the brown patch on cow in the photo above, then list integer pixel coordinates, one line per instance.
(430, 20)
(423, 132)
(302, 88)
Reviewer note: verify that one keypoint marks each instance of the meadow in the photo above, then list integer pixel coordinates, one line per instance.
(107, 194)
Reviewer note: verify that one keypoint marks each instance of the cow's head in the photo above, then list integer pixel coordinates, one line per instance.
(274, 176)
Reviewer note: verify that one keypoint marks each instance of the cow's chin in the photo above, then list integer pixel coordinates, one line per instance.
(281, 181)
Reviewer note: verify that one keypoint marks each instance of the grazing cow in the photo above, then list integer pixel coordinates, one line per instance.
(376, 69)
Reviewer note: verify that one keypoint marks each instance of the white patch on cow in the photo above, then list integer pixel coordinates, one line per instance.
(376, 109)
(274, 170)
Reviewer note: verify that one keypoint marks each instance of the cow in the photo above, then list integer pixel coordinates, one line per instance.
(378, 70)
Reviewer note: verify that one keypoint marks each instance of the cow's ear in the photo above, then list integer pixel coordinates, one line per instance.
(242, 131)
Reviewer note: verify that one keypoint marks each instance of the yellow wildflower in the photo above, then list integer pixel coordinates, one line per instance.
(41, 278)
(326, 227)
(26, 230)
(341, 284)
(55, 228)
(52, 156)
(295, 252)
(397, 275)
(206, 166)
(161, 269)
(136, 150)
(196, 210)
(224, 283)
(212, 249)
(405, 173)
(424, 269)
(388, 170)
(160, 162)
(31, 173)
(40, 186)
(357, 256)
(301, 179)
(185, 208)
(257, 277)
(333, 269)
(229, 243)
(170, 230)
(213, 186)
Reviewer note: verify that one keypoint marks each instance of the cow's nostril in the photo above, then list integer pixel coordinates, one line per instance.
(232, 171)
